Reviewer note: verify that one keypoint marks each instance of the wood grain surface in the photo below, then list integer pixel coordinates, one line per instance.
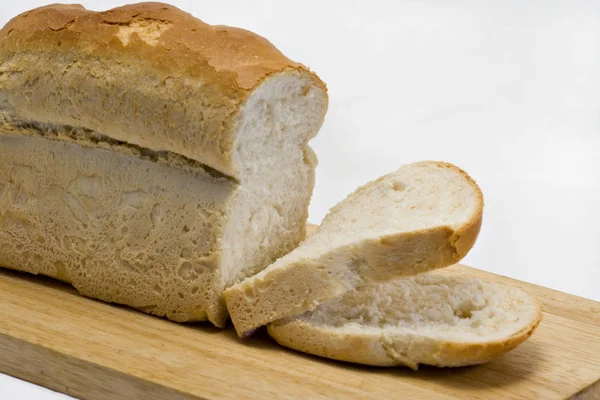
(52, 336)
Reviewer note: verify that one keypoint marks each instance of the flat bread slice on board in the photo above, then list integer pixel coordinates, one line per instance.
(429, 319)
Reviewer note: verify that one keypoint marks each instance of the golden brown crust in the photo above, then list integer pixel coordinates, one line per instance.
(464, 239)
(148, 74)
(125, 230)
(237, 58)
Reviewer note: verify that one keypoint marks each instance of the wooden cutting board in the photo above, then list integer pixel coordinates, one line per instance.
(54, 337)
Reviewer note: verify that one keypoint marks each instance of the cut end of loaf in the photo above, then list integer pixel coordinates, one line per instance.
(431, 319)
(270, 214)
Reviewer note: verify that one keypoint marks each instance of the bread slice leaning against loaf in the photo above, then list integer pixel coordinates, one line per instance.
(424, 216)
(148, 158)
(429, 319)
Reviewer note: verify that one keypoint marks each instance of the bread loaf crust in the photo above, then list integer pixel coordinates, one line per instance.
(147, 73)
(118, 228)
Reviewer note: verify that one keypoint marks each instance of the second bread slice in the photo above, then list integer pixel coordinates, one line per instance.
(430, 319)
(424, 216)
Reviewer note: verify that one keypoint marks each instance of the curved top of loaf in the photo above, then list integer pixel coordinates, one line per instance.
(159, 33)
(152, 75)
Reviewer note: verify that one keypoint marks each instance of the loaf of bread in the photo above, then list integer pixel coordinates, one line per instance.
(150, 159)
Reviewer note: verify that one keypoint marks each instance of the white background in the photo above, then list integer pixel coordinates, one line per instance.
(507, 90)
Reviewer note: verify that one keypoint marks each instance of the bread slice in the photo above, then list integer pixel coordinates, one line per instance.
(148, 158)
(424, 216)
(430, 319)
